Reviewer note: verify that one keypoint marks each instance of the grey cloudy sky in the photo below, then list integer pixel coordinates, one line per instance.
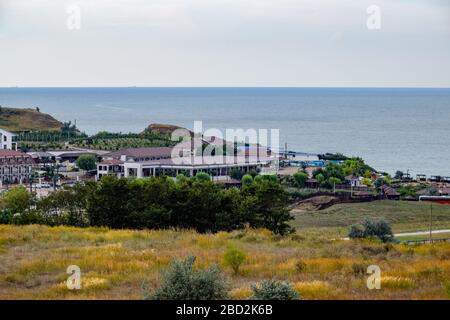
(225, 43)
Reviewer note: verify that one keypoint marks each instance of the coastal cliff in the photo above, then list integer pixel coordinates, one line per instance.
(16, 120)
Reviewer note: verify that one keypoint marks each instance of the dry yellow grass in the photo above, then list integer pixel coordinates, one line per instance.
(116, 264)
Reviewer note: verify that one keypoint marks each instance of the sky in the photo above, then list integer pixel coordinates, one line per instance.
(225, 43)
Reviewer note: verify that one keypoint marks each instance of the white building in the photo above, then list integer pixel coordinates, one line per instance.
(8, 140)
(154, 162)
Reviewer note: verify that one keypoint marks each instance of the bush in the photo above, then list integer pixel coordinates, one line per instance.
(300, 266)
(86, 162)
(17, 200)
(247, 179)
(202, 176)
(274, 290)
(28, 217)
(6, 216)
(300, 179)
(356, 232)
(182, 282)
(378, 228)
(359, 269)
(236, 174)
(372, 228)
(234, 257)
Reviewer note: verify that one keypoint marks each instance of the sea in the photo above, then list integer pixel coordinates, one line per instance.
(391, 129)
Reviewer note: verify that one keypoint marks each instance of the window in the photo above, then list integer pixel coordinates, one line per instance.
(5, 138)
(5, 146)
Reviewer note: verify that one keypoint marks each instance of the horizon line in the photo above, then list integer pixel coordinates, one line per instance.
(219, 87)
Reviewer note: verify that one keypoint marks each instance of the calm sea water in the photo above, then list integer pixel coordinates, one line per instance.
(393, 129)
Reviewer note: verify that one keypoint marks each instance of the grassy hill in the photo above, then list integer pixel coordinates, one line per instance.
(115, 263)
(162, 128)
(16, 120)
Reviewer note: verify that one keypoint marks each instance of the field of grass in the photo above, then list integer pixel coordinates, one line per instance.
(116, 264)
(404, 216)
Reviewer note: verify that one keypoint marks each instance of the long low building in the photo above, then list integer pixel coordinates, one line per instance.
(153, 162)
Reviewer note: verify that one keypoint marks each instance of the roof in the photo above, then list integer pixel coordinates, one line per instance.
(113, 162)
(207, 160)
(12, 153)
(299, 153)
(141, 153)
(76, 154)
(41, 154)
(3, 131)
(351, 178)
(389, 191)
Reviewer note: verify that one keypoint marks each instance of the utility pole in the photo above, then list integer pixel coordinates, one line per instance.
(431, 222)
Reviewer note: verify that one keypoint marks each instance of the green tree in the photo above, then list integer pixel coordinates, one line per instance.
(17, 200)
(269, 201)
(247, 179)
(320, 178)
(202, 176)
(356, 166)
(236, 174)
(66, 206)
(108, 203)
(398, 175)
(86, 162)
(333, 181)
(300, 179)
(234, 258)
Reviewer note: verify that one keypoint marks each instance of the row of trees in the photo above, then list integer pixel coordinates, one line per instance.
(334, 174)
(155, 203)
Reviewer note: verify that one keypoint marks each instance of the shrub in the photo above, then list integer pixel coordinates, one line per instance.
(359, 269)
(247, 179)
(372, 228)
(236, 174)
(274, 290)
(378, 228)
(234, 257)
(300, 179)
(182, 282)
(86, 162)
(202, 176)
(17, 200)
(300, 266)
(28, 217)
(356, 232)
(5, 216)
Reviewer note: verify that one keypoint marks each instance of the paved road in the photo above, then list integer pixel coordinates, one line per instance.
(421, 233)
(418, 233)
